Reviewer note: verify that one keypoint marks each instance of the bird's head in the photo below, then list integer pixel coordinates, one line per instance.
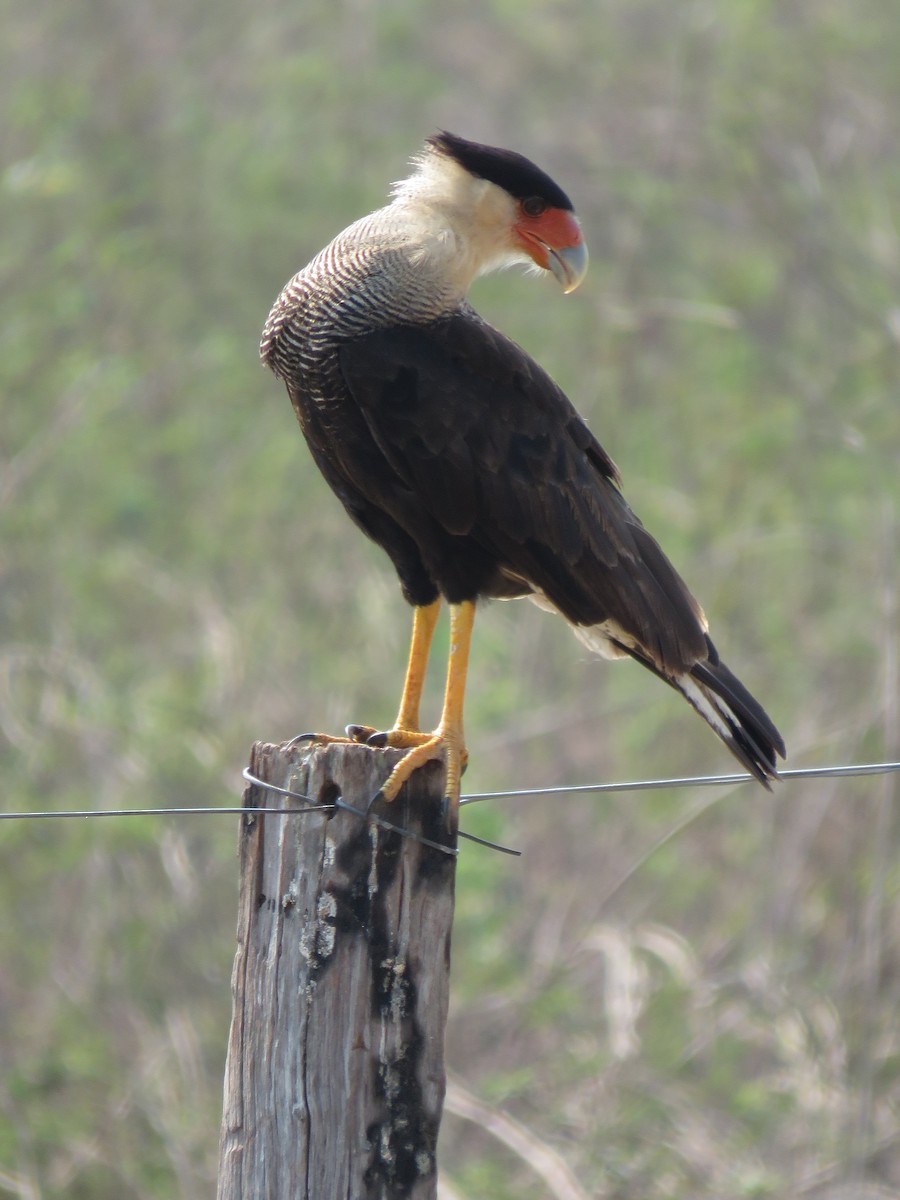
(501, 207)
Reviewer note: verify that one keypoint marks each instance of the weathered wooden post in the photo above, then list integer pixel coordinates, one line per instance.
(335, 1077)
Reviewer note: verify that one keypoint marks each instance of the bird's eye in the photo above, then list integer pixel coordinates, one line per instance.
(533, 206)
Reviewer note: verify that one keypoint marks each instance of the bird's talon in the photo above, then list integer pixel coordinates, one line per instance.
(323, 739)
(378, 740)
(379, 795)
(300, 738)
(360, 733)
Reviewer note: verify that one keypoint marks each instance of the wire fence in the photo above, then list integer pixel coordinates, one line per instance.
(848, 771)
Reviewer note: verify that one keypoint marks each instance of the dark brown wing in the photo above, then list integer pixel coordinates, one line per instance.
(491, 450)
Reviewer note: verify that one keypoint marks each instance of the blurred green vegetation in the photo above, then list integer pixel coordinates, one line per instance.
(680, 995)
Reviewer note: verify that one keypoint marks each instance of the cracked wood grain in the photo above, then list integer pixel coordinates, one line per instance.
(335, 1075)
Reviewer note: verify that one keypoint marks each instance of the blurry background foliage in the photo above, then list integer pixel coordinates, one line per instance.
(677, 994)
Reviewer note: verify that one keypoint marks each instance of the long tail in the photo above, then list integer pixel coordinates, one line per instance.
(708, 686)
(728, 708)
(737, 717)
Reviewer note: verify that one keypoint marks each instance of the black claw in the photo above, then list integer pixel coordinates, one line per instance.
(358, 733)
(377, 740)
(379, 795)
(301, 737)
(446, 809)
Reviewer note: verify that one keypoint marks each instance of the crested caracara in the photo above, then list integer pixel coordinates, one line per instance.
(454, 451)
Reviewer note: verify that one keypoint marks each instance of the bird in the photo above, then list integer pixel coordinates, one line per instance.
(454, 451)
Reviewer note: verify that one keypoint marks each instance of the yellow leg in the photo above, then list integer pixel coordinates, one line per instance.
(450, 729)
(406, 730)
(448, 740)
(424, 620)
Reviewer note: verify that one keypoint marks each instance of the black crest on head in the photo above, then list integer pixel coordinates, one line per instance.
(513, 172)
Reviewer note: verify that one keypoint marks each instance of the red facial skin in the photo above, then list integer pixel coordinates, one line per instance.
(553, 240)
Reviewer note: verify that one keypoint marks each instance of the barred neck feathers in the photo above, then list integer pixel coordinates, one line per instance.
(443, 228)
(386, 267)
(411, 261)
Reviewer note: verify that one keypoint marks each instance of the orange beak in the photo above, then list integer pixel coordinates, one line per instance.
(553, 240)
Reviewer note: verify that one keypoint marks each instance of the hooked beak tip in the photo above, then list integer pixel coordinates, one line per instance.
(569, 264)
